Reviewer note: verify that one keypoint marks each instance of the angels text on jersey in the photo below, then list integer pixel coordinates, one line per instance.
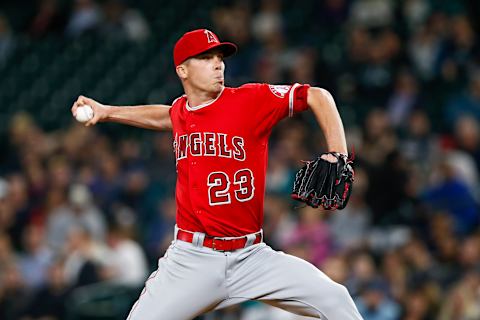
(209, 144)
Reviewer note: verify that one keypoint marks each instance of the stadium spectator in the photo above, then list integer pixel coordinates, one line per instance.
(48, 20)
(85, 17)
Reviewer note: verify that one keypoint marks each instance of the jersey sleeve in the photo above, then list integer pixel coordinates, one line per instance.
(175, 104)
(286, 99)
(280, 101)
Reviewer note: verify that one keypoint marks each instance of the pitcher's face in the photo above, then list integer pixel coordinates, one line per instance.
(206, 71)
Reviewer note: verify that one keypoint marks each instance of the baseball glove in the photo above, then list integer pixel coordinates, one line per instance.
(323, 183)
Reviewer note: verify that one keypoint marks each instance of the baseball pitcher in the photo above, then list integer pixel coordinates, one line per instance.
(220, 138)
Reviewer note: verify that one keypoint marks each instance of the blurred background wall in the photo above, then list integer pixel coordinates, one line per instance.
(85, 213)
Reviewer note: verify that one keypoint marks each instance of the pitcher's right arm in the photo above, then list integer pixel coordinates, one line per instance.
(155, 117)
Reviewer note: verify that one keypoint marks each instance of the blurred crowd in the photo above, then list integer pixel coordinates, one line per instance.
(82, 207)
(111, 18)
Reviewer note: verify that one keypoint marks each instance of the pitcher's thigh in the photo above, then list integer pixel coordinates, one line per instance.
(297, 286)
(179, 289)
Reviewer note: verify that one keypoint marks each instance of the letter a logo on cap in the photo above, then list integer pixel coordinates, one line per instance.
(193, 43)
(210, 36)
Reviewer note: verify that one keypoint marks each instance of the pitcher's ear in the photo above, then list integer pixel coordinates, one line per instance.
(182, 71)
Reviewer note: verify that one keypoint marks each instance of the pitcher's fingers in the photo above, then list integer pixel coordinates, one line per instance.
(74, 108)
(329, 157)
(82, 100)
(92, 121)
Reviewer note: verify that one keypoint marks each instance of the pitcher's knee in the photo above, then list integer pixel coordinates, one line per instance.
(342, 292)
(335, 302)
(335, 296)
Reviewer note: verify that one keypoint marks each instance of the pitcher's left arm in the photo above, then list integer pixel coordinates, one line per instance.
(323, 106)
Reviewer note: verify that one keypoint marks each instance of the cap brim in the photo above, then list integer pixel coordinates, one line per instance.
(227, 48)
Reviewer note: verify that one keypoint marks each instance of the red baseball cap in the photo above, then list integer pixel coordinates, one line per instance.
(198, 41)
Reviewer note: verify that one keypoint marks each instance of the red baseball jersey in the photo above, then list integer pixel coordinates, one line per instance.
(221, 150)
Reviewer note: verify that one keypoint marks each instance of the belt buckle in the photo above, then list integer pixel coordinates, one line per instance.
(213, 245)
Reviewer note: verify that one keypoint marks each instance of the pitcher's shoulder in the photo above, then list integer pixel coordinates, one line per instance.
(253, 86)
(179, 100)
(249, 88)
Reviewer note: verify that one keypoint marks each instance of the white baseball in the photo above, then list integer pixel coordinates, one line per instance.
(84, 113)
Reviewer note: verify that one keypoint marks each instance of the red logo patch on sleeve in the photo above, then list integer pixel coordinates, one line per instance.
(279, 90)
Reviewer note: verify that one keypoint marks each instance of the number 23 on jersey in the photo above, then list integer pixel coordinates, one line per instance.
(219, 184)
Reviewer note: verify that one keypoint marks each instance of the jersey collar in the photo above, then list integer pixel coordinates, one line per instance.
(203, 105)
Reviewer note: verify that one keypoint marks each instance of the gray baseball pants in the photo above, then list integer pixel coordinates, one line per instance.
(192, 280)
